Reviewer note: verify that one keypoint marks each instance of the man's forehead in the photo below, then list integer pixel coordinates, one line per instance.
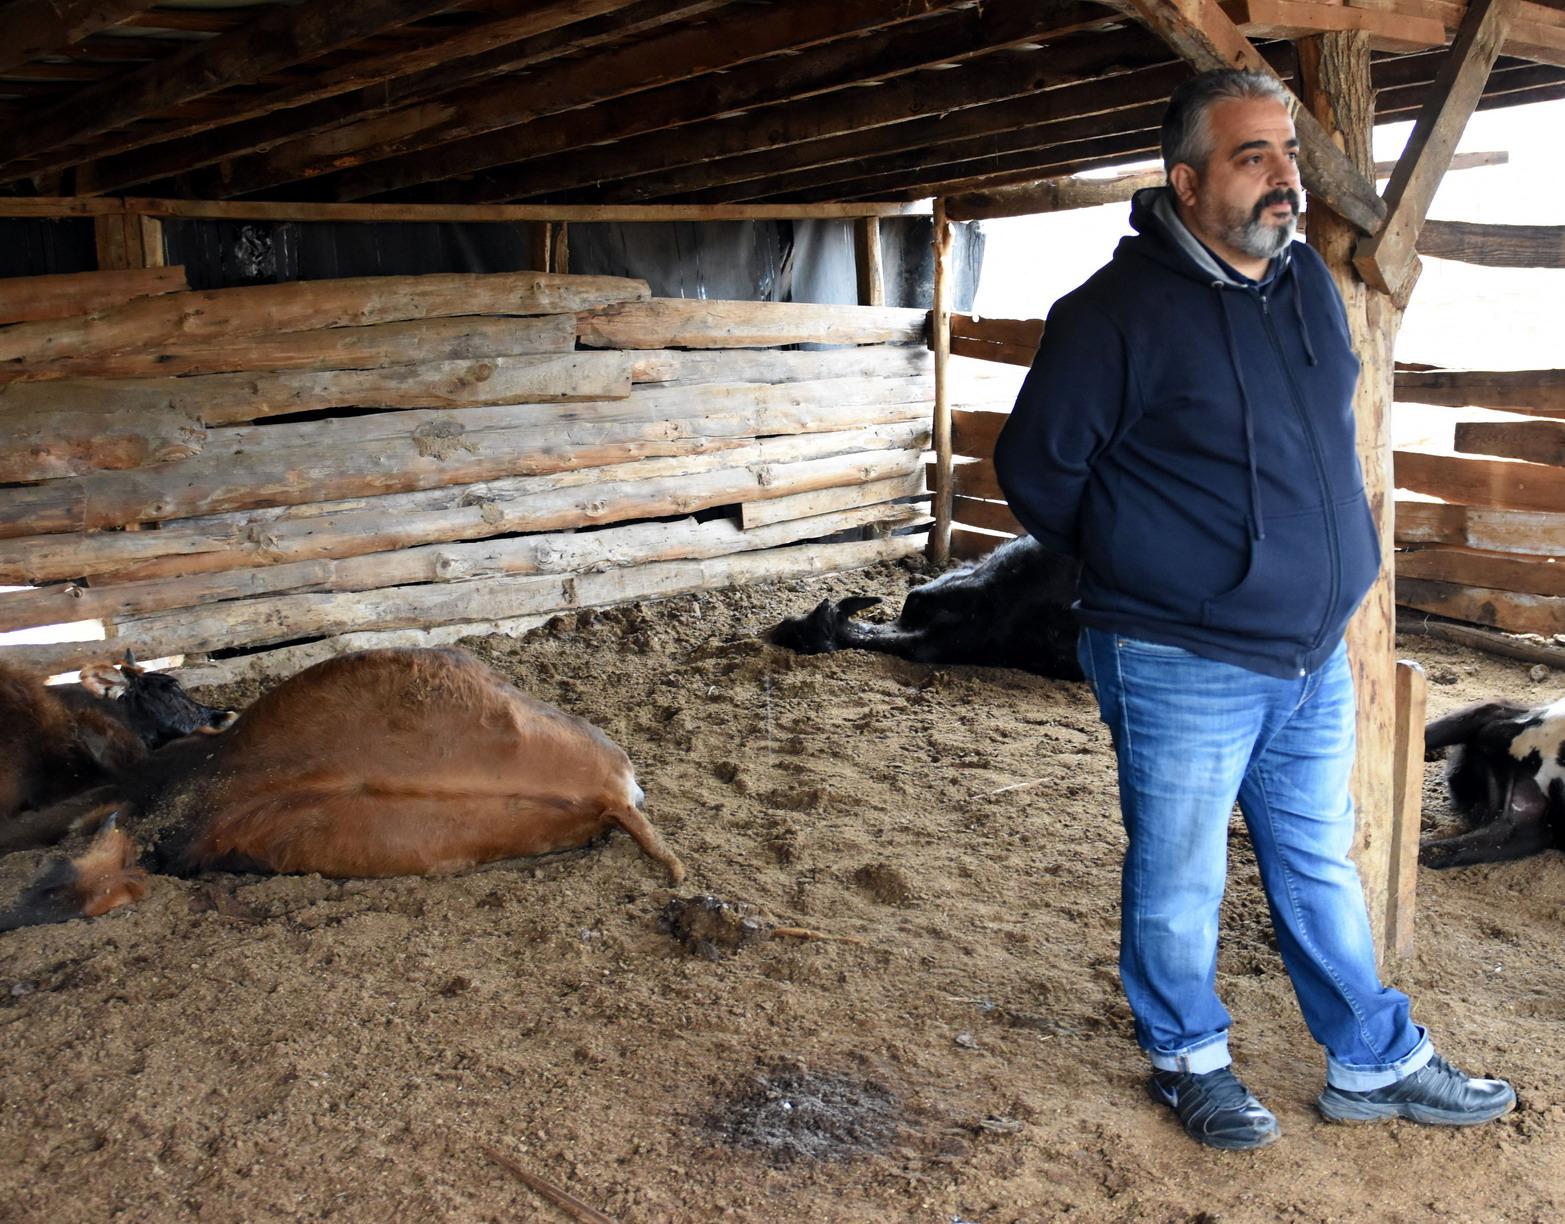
(1238, 122)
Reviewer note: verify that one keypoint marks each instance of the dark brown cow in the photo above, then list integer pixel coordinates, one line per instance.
(1506, 772)
(387, 762)
(58, 740)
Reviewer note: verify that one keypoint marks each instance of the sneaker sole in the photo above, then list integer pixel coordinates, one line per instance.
(1214, 1141)
(1354, 1111)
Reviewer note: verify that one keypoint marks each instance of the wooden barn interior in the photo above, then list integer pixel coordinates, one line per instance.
(331, 325)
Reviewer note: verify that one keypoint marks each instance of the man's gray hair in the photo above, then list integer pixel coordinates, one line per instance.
(1187, 130)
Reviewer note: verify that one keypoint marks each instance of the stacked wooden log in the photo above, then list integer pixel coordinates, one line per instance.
(294, 463)
(1492, 550)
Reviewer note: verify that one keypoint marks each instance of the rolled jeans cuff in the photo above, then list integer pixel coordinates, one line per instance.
(1197, 1060)
(1368, 1078)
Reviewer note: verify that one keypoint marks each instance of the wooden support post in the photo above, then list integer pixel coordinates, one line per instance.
(559, 249)
(866, 250)
(540, 244)
(1411, 689)
(128, 240)
(1386, 259)
(1335, 84)
(940, 341)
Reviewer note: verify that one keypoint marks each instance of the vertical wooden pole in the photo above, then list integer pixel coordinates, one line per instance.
(540, 245)
(560, 249)
(128, 240)
(1335, 85)
(939, 548)
(1412, 689)
(866, 249)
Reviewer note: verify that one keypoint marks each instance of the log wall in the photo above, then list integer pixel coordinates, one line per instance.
(331, 464)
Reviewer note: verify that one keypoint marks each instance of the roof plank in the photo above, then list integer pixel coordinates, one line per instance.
(33, 28)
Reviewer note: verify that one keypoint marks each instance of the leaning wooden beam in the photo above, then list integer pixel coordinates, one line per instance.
(270, 210)
(1204, 36)
(1493, 483)
(277, 535)
(403, 451)
(461, 338)
(1510, 531)
(1530, 392)
(1069, 192)
(1386, 259)
(1494, 246)
(27, 298)
(32, 29)
(1509, 610)
(1532, 441)
(48, 348)
(284, 618)
(279, 38)
(451, 561)
(697, 323)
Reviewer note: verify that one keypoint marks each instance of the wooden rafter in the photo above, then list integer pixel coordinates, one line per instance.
(365, 87)
(1386, 259)
(681, 52)
(1201, 32)
(279, 38)
(32, 28)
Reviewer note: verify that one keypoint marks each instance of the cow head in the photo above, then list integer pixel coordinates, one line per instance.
(156, 705)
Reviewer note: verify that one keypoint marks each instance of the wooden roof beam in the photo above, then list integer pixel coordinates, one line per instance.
(996, 77)
(688, 50)
(1387, 259)
(879, 56)
(32, 28)
(1200, 32)
(364, 87)
(1388, 30)
(280, 38)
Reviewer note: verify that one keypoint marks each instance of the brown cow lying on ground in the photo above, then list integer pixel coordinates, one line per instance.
(387, 762)
(57, 740)
(1506, 774)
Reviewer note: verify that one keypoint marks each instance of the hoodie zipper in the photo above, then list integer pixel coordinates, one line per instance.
(1320, 466)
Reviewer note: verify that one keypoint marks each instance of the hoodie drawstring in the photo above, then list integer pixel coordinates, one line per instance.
(1257, 526)
(1298, 309)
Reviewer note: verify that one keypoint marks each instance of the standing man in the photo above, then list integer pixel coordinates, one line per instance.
(1187, 432)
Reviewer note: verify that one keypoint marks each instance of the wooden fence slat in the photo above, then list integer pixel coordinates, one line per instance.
(1493, 483)
(1533, 441)
(1531, 392)
(1498, 571)
(804, 505)
(688, 367)
(1007, 354)
(975, 431)
(699, 323)
(1507, 531)
(990, 515)
(975, 479)
(1025, 332)
(1494, 246)
(1508, 610)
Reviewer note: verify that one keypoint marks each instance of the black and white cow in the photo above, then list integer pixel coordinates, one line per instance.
(1506, 774)
(1012, 609)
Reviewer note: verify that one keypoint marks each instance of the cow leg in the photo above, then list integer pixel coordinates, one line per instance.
(101, 878)
(1462, 726)
(1521, 829)
(80, 814)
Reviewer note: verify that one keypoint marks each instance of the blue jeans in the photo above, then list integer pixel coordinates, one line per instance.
(1191, 736)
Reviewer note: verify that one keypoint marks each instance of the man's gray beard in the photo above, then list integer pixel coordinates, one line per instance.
(1259, 240)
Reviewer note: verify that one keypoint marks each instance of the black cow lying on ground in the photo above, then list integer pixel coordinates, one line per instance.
(1012, 609)
(1506, 774)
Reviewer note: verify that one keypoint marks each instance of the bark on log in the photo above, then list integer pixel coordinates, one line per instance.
(696, 323)
(288, 617)
(50, 349)
(27, 298)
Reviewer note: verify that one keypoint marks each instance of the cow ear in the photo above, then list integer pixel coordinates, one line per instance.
(102, 679)
(856, 603)
(129, 665)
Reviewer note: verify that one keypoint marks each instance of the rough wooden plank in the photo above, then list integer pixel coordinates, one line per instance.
(1200, 32)
(1508, 610)
(974, 545)
(687, 367)
(288, 617)
(1508, 531)
(975, 479)
(560, 548)
(757, 514)
(1533, 441)
(974, 432)
(49, 348)
(1530, 392)
(1006, 354)
(27, 298)
(1385, 259)
(1499, 571)
(1493, 483)
(867, 263)
(462, 338)
(699, 323)
(1292, 19)
(680, 483)
(1407, 768)
(988, 515)
(998, 331)
(1494, 246)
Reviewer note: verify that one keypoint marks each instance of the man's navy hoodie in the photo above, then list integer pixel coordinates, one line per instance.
(1188, 435)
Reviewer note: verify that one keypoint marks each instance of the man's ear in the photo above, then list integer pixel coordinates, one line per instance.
(1184, 180)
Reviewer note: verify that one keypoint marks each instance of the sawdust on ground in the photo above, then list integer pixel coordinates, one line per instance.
(252, 1048)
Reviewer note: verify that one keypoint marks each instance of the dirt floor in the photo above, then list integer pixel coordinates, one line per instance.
(250, 1048)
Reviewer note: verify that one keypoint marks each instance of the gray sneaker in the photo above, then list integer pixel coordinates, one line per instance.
(1215, 1108)
(1437, 1094)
